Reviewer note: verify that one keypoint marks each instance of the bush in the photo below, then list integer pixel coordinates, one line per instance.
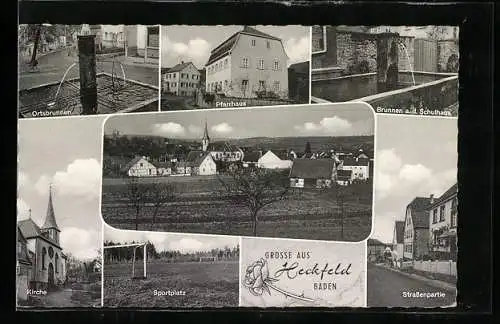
(426, 257)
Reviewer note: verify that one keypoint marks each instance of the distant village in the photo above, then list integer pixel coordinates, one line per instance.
(308, 169)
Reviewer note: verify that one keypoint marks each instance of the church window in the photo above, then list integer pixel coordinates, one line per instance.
(57, 263)
(44, 253)
(51, 252)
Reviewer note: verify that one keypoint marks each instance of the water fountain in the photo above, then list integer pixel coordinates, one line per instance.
(409, 61)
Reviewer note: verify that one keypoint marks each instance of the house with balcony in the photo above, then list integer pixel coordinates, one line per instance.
(181, 80)
(443, 213)
(249, 64)
(416, 228)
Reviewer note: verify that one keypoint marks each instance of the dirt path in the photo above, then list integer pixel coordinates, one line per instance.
(63, 298)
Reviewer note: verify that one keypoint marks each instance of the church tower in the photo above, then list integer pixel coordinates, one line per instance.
(206, 139)
(50, 225)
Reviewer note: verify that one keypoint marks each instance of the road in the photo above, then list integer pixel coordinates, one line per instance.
(52, 66)
(385, 289)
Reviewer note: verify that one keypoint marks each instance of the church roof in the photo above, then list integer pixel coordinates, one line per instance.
(50, 218)
(194, 158)
(205, 133)
(30, 229)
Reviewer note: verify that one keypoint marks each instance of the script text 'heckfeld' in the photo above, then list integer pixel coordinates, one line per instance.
(294, 270)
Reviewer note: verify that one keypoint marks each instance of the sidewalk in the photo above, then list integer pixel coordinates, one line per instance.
(431, 282)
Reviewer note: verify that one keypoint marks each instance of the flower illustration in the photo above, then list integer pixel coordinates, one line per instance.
(257, 281)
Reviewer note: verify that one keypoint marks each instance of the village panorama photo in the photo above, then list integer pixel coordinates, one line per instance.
(302, 172)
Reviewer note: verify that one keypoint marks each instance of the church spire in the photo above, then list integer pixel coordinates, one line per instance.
(205, 134)
(206, 139)
(50, 218)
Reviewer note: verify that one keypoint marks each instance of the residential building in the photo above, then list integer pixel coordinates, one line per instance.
(248, 64)
(24, 267)
(271, 160)
(416, 232)
(443, 214)
(398, 238)
(142, 42)
(376, 249)
(140, 166)
(41, 247)
(312, 173)
(344, 177)
(201, 163)
(163, 168)
(251, 158)
(182, 80)
(298, 82)
(359, 168)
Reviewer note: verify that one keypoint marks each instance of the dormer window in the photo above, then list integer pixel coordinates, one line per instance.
(253, 42)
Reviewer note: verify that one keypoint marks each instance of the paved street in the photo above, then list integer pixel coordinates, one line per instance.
(385, 289)
(52, 66)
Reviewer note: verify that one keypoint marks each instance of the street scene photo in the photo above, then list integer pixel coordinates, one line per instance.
(234, 66)
(152, 269)
(396, 69)
(71, 70)
(412, 253)
(299, 171)
(58, 224)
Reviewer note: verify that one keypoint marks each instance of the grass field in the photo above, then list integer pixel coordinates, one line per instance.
(205, 285)
(200, 208)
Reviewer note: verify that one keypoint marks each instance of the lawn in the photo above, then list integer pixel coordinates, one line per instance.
(200, 207)
(204, 284)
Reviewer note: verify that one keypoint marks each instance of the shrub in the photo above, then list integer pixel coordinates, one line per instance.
(426, 257)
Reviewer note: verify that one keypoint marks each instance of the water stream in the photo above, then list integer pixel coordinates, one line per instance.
(60, 84)
(409, 63)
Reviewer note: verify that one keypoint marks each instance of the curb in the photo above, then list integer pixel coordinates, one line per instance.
(431, 282)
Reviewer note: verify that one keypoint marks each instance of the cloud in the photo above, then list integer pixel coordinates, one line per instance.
(328, 125)
(195, 50)
(388, 161)
(222, 128)
(22, 209)
(384, 183)
(297, 49)
(22, 180)
(42, 184)
(194, 129)
(169, 129)
(414, 173)
(83, 244)
(81, 178)
(383, 226)
(187, 244)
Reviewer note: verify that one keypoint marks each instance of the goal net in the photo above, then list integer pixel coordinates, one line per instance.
(130, 258)
(208, 259)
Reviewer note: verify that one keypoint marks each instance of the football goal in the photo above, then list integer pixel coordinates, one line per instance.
(125, 253)
(208, 259)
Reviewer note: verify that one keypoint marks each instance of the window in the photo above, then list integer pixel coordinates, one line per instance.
(225, 84)
(268, 44)
(261, 64)
(441, 213)
(253, 42)
(44, 255)
(276, 65)
(244, 84)
(434, 216)
(454, 212)
(153, 36)
(262, 85)
(57, 263)
(276, 86)
(318, 39)
(226, 63)
(244, 63)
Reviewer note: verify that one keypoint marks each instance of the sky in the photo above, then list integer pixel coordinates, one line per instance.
(171, 241)
(194, 43)
(348, 119)
(67, 153)
(415, 156)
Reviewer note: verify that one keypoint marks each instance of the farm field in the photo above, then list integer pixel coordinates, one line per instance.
(200, 207)
(206, 284)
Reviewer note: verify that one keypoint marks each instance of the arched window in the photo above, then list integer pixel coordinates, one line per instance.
(44, 253)
(56, 263)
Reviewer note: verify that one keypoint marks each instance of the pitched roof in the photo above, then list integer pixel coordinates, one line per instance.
(30, 229)
(252, 156)
(50, 218)
(302, 67)
(194, 158)
(130, 164)
(344, 174)
(453, 190)
(419, 203)
(349, 161)
(419, 215)
(23, 255)
(353, 29)
(224, 48)
(181, 66)
(312, 168)
(163, 165)
(373, 242)
(400, 230)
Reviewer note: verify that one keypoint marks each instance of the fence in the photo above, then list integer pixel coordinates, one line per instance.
(442, 267)
(425, 55)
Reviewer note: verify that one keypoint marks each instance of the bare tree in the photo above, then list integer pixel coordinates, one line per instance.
(137, 197)
(437, 32)
(159, 194)
(255, 188)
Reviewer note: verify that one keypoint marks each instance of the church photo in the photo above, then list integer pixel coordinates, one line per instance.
(264, 171)
(59, 240)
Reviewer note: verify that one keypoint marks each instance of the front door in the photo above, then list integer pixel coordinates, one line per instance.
(51, 282)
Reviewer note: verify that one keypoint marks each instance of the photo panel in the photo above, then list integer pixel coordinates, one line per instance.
(234, 66)
(161, 270)
(303, 172)
(297, 273)
(412, 252)
(73, 70)
(59, 229)
(396, 69)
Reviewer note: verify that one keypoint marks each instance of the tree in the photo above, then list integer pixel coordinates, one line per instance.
(159, 194)
(137, 197)
(255, 189)
(437, 32)
(308, 150)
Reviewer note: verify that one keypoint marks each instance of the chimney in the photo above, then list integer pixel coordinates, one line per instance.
(432, 198)
(182, 62)
(88, 81)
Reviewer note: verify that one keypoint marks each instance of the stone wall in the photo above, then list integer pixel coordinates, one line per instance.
(446, 49)
(355, 48)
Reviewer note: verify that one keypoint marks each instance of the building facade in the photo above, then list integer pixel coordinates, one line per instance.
(140, 167)
(443, 214)
(143, 42)
(416, 229)
(247, 65)
(312, 173)
(271, 161)
(182, 79)
(398, 238)
(359, 168)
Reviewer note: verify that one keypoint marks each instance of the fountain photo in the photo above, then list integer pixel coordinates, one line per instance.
(396, 69)
(234, 66)
(72, 70)
(302, 171)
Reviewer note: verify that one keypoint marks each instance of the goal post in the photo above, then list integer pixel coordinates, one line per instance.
(135, 246)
